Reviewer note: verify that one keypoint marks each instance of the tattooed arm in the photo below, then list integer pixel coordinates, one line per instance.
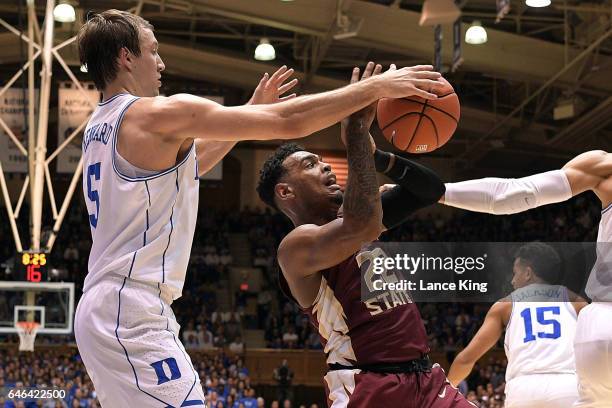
(361, 199)
(309, 249)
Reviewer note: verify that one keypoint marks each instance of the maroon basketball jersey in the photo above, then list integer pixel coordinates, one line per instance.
(354, 332)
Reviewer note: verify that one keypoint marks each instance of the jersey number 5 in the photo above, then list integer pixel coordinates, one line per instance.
(93, 171)
(540, 314)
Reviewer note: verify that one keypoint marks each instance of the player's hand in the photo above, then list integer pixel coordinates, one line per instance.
(386, 187)
(270, 88)
(369, 112)
(419, 80)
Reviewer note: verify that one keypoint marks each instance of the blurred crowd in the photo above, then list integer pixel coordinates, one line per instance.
(206, 326)
(224, 378)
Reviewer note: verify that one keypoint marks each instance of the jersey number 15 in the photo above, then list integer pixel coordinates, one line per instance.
(555, 326)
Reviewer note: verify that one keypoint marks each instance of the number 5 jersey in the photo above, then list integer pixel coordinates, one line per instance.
(142, 222)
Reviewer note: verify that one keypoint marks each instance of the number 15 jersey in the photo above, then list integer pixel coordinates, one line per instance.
(540, 333)
(142, 222)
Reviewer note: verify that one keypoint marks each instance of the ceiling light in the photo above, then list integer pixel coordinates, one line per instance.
(537, 3)
(64, 13)
(476, 34)
(265, 51)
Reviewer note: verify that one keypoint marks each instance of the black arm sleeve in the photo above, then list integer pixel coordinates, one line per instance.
(417, 187)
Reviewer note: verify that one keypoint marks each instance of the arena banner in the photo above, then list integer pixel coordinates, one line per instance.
(394, 273)
(14, 112)
(73, 108)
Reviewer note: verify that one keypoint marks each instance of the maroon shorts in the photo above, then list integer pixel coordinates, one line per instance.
(357, 389)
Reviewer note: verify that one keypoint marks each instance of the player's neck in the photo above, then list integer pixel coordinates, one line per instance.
(307, 218)
(122, 84)
(111, 91)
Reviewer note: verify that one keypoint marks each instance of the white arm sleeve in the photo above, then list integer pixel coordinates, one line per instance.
(509, 196)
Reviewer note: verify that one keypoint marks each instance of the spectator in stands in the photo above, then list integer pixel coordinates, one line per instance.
(284, 377)
(232, 327)
(71, 253)
(205, 338)
(189, 332)
(264, 303)
(219, 339)
(290, 338)
(191, 342)
(237, 346)
(248, 400)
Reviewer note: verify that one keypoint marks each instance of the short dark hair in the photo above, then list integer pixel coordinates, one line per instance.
(101, 38)
(273, 170)
(543, 260)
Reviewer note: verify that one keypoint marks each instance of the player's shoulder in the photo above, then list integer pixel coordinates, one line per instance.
(150, 104)
(296, 244)
(298, 237)
(502, 309)
(588, 159)
(161, 105)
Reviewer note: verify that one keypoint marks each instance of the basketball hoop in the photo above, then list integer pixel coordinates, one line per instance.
(27, 334)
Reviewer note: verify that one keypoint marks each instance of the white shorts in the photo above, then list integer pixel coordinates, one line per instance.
(542, 391)
(128, 340)
(593, 350)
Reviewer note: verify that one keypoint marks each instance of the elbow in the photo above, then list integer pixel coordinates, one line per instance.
(366, 231)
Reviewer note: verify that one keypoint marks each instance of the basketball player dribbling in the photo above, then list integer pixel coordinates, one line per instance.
(588, 171)
(376, 350)
(540, 323)
(141, 157)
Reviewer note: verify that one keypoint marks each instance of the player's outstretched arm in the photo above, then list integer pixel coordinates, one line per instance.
(309, 249)
(587, 171)
(269, 90)
(182, 116)
(508, 196)
(486, 337)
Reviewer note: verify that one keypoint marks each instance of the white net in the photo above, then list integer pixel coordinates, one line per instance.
(27, 335)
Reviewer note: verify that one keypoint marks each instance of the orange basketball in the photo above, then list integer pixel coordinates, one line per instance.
(417, 125)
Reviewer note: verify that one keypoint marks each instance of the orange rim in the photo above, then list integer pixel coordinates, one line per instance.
(28, 327)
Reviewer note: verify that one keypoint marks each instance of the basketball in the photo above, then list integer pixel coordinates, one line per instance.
(416, 125)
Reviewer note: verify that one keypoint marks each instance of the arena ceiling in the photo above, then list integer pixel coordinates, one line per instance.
(534, 60)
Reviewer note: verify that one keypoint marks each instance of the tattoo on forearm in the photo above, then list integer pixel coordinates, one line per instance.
(362, 197)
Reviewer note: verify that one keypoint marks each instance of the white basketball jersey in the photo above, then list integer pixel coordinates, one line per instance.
(141, 226)
(540, 332)
(599, 285)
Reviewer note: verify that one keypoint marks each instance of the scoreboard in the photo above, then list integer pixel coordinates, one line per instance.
(31, 267)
